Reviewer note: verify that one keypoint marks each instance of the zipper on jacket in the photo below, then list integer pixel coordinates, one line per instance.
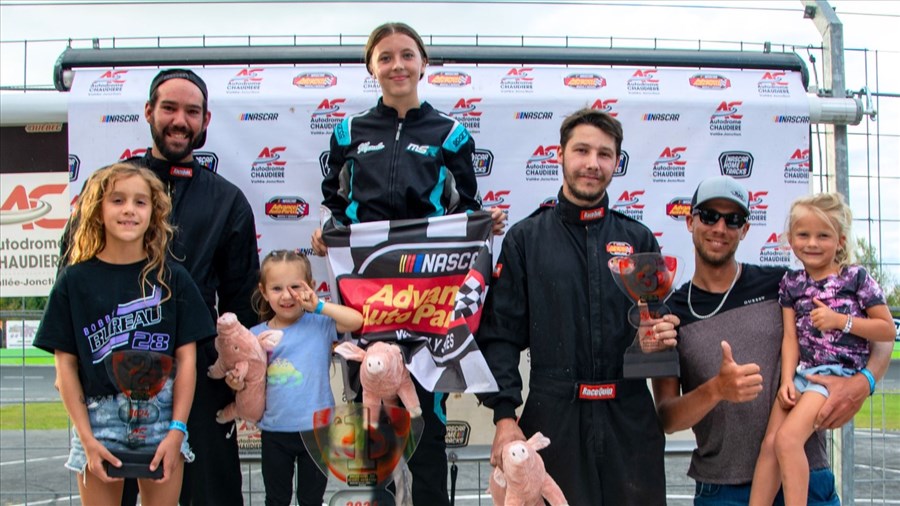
(395, 156)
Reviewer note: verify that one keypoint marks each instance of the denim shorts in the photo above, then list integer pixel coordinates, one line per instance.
(821, 492)
(109, 418)
(803, 385)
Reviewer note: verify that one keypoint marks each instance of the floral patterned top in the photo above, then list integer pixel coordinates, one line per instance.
(851, 291)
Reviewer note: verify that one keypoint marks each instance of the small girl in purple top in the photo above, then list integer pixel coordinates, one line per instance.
(831, 311)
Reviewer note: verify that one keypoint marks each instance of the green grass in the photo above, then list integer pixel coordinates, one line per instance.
(28, 356)
(872, 413)
(38, 416)
(896, 354)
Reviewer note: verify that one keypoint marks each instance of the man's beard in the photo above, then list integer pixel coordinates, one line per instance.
(714, 261)
(159, 140)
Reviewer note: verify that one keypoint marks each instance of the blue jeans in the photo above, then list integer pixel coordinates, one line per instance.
(821, 492)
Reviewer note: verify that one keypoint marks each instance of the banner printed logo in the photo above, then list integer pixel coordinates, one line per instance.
(420, 283)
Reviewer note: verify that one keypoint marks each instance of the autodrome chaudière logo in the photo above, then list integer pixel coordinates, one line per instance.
(543, 164)
(517, 80)
(643, 82)
(797, 167)
(110, 82)
(326, 116)
(245, 81)
(670, 166)
(269, 165)
(605, 106)
(466, 112)
(774, 251)
(629, 204)
(773, 84)
(726, 120)
(758, 207)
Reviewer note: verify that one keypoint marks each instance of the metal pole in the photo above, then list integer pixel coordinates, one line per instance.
(832, 30)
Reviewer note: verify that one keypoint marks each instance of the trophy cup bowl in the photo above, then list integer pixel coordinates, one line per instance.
(647, 279)
(140, 375)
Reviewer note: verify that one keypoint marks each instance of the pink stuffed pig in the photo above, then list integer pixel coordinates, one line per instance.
(244, 356)
(525, 482)
(383, 376)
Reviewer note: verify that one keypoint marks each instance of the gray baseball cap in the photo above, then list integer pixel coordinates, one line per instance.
(722, 187)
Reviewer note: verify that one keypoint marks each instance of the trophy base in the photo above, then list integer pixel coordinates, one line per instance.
(134, 465)
(661, 364)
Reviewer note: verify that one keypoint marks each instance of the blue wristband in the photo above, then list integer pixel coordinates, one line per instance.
(320, 306)
(869, 376)
(178, 425)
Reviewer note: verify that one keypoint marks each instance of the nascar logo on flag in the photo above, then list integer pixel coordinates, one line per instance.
(422, 284)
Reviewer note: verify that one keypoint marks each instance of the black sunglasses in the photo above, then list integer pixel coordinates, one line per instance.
(710, 217)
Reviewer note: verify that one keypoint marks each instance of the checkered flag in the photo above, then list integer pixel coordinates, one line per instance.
(420, 284)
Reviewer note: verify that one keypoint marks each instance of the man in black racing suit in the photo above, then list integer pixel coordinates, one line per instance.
(561, 302)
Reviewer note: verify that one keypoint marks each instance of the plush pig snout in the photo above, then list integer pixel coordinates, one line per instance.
(375, 365)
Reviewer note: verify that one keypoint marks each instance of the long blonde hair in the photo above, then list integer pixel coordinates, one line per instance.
(832, 209)
(89, 237)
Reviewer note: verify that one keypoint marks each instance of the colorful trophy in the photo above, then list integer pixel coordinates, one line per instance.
(140, 375)
(348, 443)
(648, 280)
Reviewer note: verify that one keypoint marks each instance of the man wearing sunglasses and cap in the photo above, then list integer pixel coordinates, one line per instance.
(215, 240)
(729, 344)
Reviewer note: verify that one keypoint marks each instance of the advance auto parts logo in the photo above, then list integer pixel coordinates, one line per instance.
(543, 164)
(287, 208)
(678, 208)
(449, 79)
(709, 82)
(737, 164)
(315, 80)
(110, 83)
(584, 81)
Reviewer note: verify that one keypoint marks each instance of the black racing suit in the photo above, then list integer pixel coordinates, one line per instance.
(553, 293)
(383, 167)
(215, 240)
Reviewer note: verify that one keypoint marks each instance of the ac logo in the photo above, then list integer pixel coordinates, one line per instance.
(756, 200)
(28, 208)
(605, 106)
(132, 153)
(519, 74)
(271, 156)
(672, 156)
(249, 75)
(330, 108)
(799, 159)
(496, 199)
(629, 200)
(774, 79)
(727, 110)
(465, 107)
(645, 76)
(546, 154)
(114, 76)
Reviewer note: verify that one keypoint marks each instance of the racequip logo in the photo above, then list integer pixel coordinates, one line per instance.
(245, 81)
(670, 165)
(517, 79)
(773, 84)
(441, 263)
(725, 120)
(258, 116)
(207, 159)
(482, 162)
(496, 199)
(758, 208)
(643, 81)
(597, 392)
(622, 168)
(678, 208)
(774, 251)
(605, 106)
(120, 118)
(315, 80)
(543, 164)
(110, 82)
(584, 81)
(465, 111)
(29, 207)
(269, 166)
(709, 81)
(132, 153)
(326, 116)
(592, 214)
(797, 168)
(74, 166)
(737, 164)
(619, 248)
(287, 208)
(450, 79)
(629, 204)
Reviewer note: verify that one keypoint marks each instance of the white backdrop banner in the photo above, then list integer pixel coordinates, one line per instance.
(270, 134)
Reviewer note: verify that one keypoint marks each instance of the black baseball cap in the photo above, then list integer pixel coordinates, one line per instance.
(188, 75)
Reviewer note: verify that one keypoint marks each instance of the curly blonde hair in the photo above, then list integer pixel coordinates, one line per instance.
(89, 235)
(832, 209)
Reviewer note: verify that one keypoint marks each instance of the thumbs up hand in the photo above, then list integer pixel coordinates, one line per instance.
(736, 382)
(824, 318)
